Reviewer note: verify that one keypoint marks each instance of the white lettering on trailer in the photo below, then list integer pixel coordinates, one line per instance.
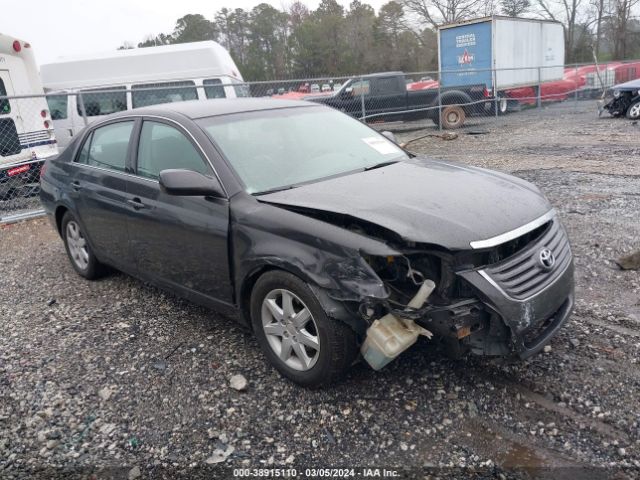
(466, 40)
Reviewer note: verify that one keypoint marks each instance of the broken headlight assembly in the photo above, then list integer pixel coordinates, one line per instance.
(425, 297)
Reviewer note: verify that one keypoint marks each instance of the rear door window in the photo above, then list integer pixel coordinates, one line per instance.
(102, 101)
(162, 147)
(57, 106)
(386, 85)
(107, 146)
(167, 92)
(5, 106)
(213, 88)
(9, 140)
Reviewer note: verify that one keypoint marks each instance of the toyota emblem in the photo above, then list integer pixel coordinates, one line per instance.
(546, 259)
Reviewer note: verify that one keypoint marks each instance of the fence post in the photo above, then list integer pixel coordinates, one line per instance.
(439, 100)
(575, 94)
(362, 110)
(82, 109)
(495, 93)
(539, 102)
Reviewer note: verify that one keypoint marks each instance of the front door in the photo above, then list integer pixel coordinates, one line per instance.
(178, 241)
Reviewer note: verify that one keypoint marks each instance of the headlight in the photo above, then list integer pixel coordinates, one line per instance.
(616, 93)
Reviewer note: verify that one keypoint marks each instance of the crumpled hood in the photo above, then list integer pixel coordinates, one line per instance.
(426, 201)
(630, 85)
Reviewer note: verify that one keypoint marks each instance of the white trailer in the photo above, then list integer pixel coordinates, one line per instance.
(501, 52)
(126, 79)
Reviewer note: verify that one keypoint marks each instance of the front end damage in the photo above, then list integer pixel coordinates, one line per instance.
(500, 300)
(493, 300)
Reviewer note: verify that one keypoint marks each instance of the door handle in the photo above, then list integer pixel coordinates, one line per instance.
(76, 186)
(136, 203)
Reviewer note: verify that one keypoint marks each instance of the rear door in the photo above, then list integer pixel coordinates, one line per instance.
(10, 122)
(98, 188)
(180, 242)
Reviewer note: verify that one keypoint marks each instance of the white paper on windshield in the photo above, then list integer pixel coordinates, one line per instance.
(381, 145)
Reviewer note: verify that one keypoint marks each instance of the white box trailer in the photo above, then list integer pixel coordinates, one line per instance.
(126, 79)
(501, 52)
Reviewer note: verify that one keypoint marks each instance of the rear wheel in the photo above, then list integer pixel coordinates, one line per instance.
(452, 117)
(295, 333)
(82, 258)
(503, 106)
(633, 112)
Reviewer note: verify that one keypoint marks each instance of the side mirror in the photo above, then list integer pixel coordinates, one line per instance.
(188, 183)
(390, 136)
(348, 92)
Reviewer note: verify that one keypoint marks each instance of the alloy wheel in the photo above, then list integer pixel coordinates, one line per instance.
(290, 329)
(77, 245)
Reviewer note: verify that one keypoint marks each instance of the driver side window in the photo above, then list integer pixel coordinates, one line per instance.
(163, 147)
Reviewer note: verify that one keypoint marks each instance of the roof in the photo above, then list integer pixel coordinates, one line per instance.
(491, 18)
(138, 65)
(220, 106)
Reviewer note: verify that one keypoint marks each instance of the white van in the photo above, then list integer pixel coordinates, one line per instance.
(126, 79)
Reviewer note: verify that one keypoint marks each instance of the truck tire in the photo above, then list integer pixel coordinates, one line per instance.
(452, 117)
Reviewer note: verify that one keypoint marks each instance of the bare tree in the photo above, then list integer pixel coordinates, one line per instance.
(516, 8)
(436, 12)
(566, 12)
(621, 21)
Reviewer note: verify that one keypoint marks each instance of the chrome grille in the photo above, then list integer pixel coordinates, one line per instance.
(522, 275)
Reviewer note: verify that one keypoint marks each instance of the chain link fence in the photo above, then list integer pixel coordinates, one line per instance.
(34, 128)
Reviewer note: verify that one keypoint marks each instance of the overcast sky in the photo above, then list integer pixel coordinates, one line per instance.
(71, 27)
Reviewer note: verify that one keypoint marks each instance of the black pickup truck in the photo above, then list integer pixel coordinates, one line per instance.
(384, 97)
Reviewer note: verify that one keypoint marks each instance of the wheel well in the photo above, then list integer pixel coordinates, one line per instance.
(60, 211)
(244, 299)
(457, 99)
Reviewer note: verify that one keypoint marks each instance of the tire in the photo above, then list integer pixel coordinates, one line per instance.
(633, 112)
(503, 106)
(80, 255)
(452, 117)
(300, 361)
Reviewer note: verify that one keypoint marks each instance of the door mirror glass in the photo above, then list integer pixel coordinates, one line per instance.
(189, 183)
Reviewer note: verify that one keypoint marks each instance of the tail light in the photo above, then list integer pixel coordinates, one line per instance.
(43, 114)
(16, 46)
(12, 172)
(486, 92)
(46, 124)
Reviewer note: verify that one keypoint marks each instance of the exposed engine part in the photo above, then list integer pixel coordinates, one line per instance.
(390, 335)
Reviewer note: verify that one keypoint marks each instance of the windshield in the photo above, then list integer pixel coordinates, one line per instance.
(274, 149)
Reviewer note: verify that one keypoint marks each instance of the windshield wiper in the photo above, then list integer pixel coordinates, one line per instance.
(274, 190)
(381, 164)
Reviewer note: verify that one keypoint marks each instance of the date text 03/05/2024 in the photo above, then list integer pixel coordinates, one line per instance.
(315, 473)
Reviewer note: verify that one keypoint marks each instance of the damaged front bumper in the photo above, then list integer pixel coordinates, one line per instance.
(526, 298)
(520, 326)
(511, 307)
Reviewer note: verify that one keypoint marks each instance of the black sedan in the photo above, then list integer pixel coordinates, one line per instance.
(325, 237)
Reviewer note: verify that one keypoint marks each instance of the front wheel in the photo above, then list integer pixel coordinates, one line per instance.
(295, 333)
(633, 112)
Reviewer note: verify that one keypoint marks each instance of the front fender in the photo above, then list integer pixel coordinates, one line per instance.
(326, 257)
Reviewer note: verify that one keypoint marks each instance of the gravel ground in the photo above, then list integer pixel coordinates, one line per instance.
(118, 379)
